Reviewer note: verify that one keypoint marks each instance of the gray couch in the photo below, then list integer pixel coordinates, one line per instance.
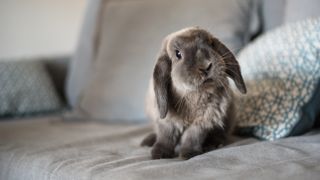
(81, 144)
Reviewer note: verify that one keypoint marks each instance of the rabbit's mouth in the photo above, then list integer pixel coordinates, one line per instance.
(207, 83)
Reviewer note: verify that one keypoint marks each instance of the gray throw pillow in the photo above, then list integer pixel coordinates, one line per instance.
(26, 89)
(112, 83)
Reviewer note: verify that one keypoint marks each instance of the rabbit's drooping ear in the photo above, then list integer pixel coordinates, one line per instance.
(161, 80)
(232, 65)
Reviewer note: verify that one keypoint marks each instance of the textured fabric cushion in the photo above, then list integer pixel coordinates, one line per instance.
(278, 12)
(57, 150)
(282, 69)
(129, 38)
(26, 88)
(310, 114)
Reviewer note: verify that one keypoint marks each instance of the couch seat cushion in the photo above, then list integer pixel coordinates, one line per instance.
(50, 148)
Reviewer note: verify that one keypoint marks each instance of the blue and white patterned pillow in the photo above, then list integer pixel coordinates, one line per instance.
(281, 69)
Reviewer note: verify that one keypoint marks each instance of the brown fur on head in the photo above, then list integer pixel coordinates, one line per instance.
(189, 96)
(191, 59)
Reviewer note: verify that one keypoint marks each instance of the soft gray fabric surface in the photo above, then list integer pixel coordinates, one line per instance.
(278, 12)
(86, 49)
(51, 149)
(111, 83)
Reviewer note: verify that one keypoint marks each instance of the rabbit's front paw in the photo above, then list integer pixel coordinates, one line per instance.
(160, 151)
(189, 152)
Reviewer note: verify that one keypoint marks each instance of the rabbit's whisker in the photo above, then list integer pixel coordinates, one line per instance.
(230, 52)
(223, 85)
(180, 103)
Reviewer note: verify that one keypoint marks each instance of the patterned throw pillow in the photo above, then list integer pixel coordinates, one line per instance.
(26, 88)
(281, 69)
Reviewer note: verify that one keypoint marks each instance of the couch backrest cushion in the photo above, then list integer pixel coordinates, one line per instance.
(278, 12)
(112, 81)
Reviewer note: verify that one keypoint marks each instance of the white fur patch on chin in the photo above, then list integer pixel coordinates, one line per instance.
(182, 87)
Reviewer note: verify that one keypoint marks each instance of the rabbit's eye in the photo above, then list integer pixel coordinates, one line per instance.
(178, 54)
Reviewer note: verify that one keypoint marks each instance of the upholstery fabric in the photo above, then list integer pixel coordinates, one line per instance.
(310, 114)
(54, 149)
(129, 38)
(278, 12)
(80, 65)
(281, 69)
(57, 68)
(26, 88)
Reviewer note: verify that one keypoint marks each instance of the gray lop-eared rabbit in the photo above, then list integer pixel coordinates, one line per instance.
(189, 97)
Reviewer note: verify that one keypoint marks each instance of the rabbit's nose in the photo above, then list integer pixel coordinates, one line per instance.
(206, 70)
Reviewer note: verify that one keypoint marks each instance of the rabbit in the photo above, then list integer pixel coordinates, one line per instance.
(189, 98)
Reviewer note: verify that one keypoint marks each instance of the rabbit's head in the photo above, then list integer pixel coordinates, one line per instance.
(190, 60)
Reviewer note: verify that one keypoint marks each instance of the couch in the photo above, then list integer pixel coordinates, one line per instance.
(83, 142)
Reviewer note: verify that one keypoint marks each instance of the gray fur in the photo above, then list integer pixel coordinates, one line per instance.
(189, 98)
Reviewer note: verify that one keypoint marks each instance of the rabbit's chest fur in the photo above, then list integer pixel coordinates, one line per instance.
(204, 108)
